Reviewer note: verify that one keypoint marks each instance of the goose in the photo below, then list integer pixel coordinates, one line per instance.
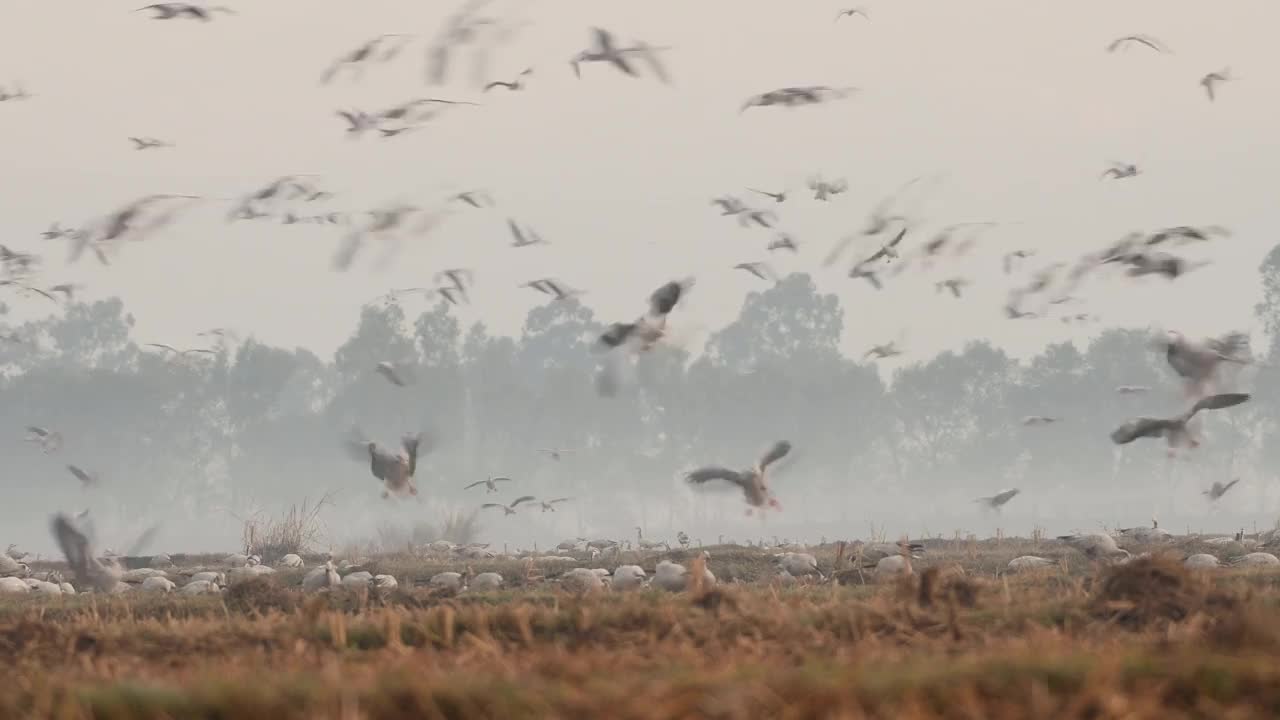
(850, 12)
(1012, 257)
(550, 505)
(1197, 363)
(956, 285)
(161, 560)
(1144, 534)
(447, 581)
(1201, 561)
(796, 96)
(1130, 40)
(1133, 389)
(385, 583)
(524, 237)
(510, 509)
(582, 580)
(1212, 80)
(13, 568)
(14, 586)
(752, 481)
(199, 587)
(158, 584)
(1156, 263)
(90, 572)
(322, 577)
(1095, 545)
(1174, 430)
(783, 578)
(87, 479)
(1038, 420)
(1120, 171)
(395, 471)
(604, 49)
(555, 288)
(761, 270)
(236, 560)
(13, 553)
(491, 484)
(357, 580)
(146, 143)
(783, 242)
(880, 352)
(556, 453)
(486, 582)
(641, 335)
(627, 577)
(209, 576)
(140, 575)
(874, 552)
(799, 564)
(1255, 559)
(44, 587)
(674, 577)
(1029, 562)
(235, 576)
(997, 501)
(394, 374)
(171, 10)
(1219, 489)
(776, 197)
(364, 53)
(291, 561)
(569, 545)
(50, 441)
(512, 85)
(893, 565)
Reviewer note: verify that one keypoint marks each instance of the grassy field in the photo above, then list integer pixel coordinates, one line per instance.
(958, 639)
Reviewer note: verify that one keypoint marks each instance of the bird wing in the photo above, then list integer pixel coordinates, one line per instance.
(558, 500)
(515, 231)
(478, 482)
(664, 299)
(775, 453)
(707, 474)
(81, 475)
(526, 498)
(492, 505)
(410, 444)
(1217, 402)
(500, 479)
(163, 347)
(75, 547)
(1139, 428)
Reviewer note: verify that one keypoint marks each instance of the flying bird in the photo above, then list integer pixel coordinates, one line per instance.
(1219, 489)
(1130, 40)
(1198, 363)
(752, 481)
(796, 96)
(956, 285)
(371, 51)
(144, 143)
(512, 85)
(87, 479)
(510, 509)
(474, 198)
(50, 441)
(394, 374)
(90, 572)
(1037, 420)
(555, 288)
(1174, 430)
(491, 484)
(394, 470)
(555, 453)
(761, 270)
(550, 505)
(1120, 171)
(524, 237)
(605, 49)
(997, 501)
(850, 12)
(881, 352)
(171, 10)
(1211, 81)
(782, 242)
(1132, 389)
(776, 197)
(1012, 257)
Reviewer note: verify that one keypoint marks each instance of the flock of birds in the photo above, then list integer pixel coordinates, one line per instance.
(891, 230)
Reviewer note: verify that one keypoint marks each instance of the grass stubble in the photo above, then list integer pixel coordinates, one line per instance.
(1145, 640)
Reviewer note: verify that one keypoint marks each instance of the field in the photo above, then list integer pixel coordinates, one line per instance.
(957, 639)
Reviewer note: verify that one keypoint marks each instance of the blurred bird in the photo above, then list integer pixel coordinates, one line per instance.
(1199, 363)
(1211, 81)
(761, 270)
(850, 12)
(1132, 389)
(512, 85)
(510, 509)
(554, 453)
(171, 10)
(549, 505)
(1035, 420)
(87, 479)
(886, 350)
(1174, 429)
(1219, 489)
(146, 143)
(1130, 40)
(776, 197)
(782, 242)
(395, 375)
(491, 484)
(50, 441)
(997, 501)
(752, 481)
(394, 470)
(1119, 171)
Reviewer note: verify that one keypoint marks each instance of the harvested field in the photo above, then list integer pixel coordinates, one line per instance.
(956, 639)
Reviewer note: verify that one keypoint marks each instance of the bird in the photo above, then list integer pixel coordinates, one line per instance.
(555, 288)
(997, 501)
(1174, 429)
(1094, 545)
(761, 270)
(605, 49)
(512, 85)
(782, 242)
(459, 277)
(510, 509)
(1211, 80)
(796, 96)
(144, 143)
(1219, 489)
(18, 93)
(887, 251)
(491, 484)
(752, 481)
(1132, 389)
(850, 12)
(90, 572)
(955, 285)
(395, 375)
(1183, 234)
(1131, 40)
(87, 479)
(1198, 363)
(171, 10)
(394, 470)
(880, 352)
(50, 441)
(649, 328)
(524, 237)
(366, 53)
(550, 505)
(1155, 263)
(776, 197)
(1120, 170)
(1011, 257)
(555, 453)
(181, 353)
(474, 198)
(358, 121)
(1035, 420)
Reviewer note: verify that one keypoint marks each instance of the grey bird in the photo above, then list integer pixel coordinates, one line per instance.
(1133, 389)
(101, 576)
(1130, 40)
(1219, 489)
(524, 237)
(1174, 430)
(1198, 363)
(881, 352)
(87, 479)
(396, 375)
(997, 501)
(171, 10)
(782, 242)
(605, 49)
(850, 12)
(1211, 81)
(512, 85)
(1119, 171)
(145, 143)
(395, 470)
(761, 270)
(649, 328)
(555, 288)
(776, 197)
(550, 505)
(510, 509)
(956, 285)
(752, 481)
(474, 198)
(371, 51)
(490, 484)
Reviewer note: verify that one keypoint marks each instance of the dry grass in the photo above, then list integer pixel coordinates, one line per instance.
(1146, 640)
(297, 531)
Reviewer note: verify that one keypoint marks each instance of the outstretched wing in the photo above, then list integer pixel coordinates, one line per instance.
(664, 299)
(411, 443)
(526, 498)
(707, 474)
(560, 500)
(489, 505)
(1217, 402)
(74, 545)
(478, 482)
(776, 453)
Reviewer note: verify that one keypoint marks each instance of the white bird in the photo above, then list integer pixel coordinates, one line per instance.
(799, 564)
(158, 584)
(582, 580)
(1255, 559)
(627, 577)
(486, 582)
(1029, 562)
(1201, 561)
(291, 561)
(322, 577)
(1095, 545)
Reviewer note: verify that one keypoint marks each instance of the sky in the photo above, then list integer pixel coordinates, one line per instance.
(1014, 106)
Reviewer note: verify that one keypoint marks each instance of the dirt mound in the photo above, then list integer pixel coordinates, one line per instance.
(1155, 589)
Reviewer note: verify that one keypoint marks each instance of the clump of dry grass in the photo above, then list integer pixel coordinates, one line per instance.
(457, 527)
(297, 531)
(1156, 589)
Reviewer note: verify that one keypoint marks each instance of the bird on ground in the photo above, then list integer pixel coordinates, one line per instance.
(144, 143)
(87, 479)
(510, 509)
(1128, 41)
(396, 375)
(368, 52)
(752, 481)
(490, 484)
(550, 505)
(1035, 420)
(1211, 81)
(171, 10)
(1029, 562)
(605, 49)
(524, 236)
(997, 501)
(850, 12)
(761, 270)
(1119, 171)
(776, 197)
(512, 85)
(1219, 489)
(782, 242)
(1174, 429)
(1095, 545)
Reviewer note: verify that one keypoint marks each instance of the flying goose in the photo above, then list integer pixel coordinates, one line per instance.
(1213, 79)
(87, 479)
(550, 505)
(1197, 363)
(50, 441)
(1130, 40)
(490, 484)
(512, 85)
(605, 49)
(367, 52)
(145, 143)
(1011, 257)
(776, 197)
(171, 10)
(1119, 171)
(955, 285)
(510, 509)
(1183, 234)
(394, 470)
(997, 501)
(795, 96)
(396, 375)
(649, 328)
(1037, 420)
(1132, 389)
(850, 12)
(1029, 562)
(90, 572)
(752, 481)
(1174, 430)
(474, 198)
(555, 288)
(1155, 263)
(761, 270)
(524, 237)
(1219, 489)
(824, 189)
(783, 242)
(880, 352)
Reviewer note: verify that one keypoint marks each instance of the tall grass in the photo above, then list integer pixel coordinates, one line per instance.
(456, 527)
(297, 531)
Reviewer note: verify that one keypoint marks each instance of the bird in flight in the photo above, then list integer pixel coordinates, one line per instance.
(955, 285)
(181, 353)
(50, 441)
(1120, 171)
(491, 484)
(555, 288)
(776, 197)
(550, 505)
(605, 49)
(368, 52)
(761, 270)
(1133, 389)
(880, 352)
(850, 12)
(783, 242)
(1130, 40)
(1211, 81)
(555, 453)
(1010, 258)
(87, 479)
(395, 470)
(512, 85)
(997, 501)
(1038, 420)
(1198, 363)
(169, 11)
(474, 198)
(1219, 489)
(145, 143)
(796, 96)
(524, 237)
(510, 509)
(1174, 430)
(394, 374)
(752, 481)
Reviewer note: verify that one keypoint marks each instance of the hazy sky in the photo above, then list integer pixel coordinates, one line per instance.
(1016, 103)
